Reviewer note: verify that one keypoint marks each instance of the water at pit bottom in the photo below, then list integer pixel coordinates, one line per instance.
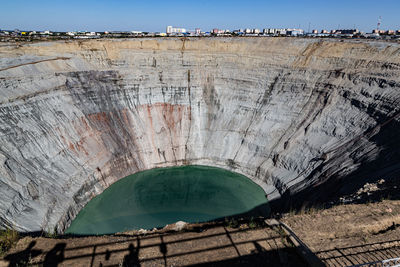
(157, 197)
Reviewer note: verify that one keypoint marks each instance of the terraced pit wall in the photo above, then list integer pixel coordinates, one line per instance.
(291, 114)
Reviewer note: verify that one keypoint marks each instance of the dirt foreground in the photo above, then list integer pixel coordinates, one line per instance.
(215, 246)
(340, 236)
(350, 234)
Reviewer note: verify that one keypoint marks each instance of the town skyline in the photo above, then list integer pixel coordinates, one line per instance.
(153, 16)
(182, 32)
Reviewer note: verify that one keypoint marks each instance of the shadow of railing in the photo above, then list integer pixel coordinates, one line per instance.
(259, 257)
(161, 245)
(360, 254)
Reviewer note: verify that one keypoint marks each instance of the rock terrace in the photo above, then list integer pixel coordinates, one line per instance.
(300, 117)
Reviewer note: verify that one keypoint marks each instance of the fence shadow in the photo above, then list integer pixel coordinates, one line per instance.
(166, 249)
(21, 258)
(361, 254)
(259, 257)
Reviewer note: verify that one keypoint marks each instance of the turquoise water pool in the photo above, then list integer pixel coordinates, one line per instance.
(157, 197)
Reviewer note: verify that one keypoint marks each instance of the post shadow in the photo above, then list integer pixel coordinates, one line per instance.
(132, 259)
(55, 255)
(163, 250)
(258, 248)
(108, 255)
(22, 258)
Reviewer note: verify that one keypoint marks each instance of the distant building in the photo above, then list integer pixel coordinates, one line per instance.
(256, 31)
(294, 32)
(277, 31)
(324, 31)
(268, 31)
(378, 31)
(371, 35)
(280, 31)
(349, 31)
(315, 31)
(218, 31)
(197, 31)
(137, 32)
(175, 30)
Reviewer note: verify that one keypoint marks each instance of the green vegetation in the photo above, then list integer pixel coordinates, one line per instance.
(252, 223)
(232, 223)
(51, 233)
(8, 238)
(284, 237)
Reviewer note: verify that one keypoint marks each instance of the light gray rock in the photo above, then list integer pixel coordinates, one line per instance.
(291, 114)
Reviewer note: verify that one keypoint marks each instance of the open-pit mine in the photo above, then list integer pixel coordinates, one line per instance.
(307, 120)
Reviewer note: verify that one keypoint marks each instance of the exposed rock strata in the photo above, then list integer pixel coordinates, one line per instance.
(291, 114)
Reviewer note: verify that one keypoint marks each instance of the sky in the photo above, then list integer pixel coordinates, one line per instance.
(155, 15)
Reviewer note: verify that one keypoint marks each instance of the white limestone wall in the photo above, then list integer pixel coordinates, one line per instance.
(288, 113)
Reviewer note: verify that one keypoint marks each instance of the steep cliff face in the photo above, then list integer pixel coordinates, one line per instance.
(291, 114)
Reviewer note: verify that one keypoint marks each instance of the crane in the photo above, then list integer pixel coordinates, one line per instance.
(379, 23)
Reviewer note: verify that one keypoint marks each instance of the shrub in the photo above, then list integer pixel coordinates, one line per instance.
(252, 223)
(8, 238)
(232, 223)
(51, 233)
